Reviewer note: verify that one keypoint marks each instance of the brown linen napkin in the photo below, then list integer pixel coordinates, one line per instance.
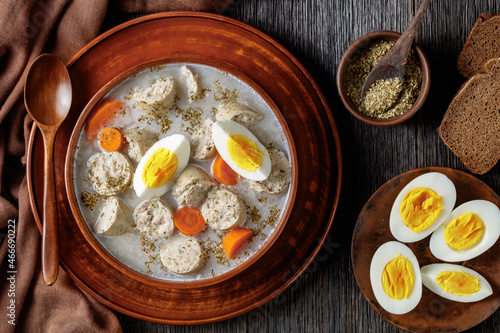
(27, 29)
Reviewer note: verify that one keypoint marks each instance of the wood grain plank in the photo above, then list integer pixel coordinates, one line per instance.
(326, 297)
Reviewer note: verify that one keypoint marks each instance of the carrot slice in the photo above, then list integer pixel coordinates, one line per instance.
(234, 240)
(101, 117)
(189, 220)
(111, 139)
(223, 172)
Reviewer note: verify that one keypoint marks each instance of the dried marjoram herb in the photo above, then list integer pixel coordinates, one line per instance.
(89, 200)
(382, 95)
(362, 63)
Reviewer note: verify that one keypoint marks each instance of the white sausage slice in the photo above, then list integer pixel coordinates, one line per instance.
(154, 218)
(182, 255)
(109, 173)
(157, 99)
(278, 179)
(223, 209)
(203, 146)
(238, 112)
(114, 219)
(193, 83)
(192, 186)
(139, 140)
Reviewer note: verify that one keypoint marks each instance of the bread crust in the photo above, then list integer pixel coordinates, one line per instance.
(475, 52)
(471, 124)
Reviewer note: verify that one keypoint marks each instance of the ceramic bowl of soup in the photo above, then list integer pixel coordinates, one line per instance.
(181, 172)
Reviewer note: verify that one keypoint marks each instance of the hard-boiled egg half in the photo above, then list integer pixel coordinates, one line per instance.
(470, 229)
(160, 166)
(455, 282)
(395, 278)
(421, 206)
(241, 150)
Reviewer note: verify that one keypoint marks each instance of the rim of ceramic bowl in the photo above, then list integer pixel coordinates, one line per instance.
(88, 233)
(362, 43)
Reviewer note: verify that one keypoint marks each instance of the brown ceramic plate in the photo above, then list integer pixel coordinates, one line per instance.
(73, 197)
(433, 313)
(224, 43)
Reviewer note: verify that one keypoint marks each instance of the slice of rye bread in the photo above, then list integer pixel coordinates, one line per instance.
(482, 44)
(471, 125)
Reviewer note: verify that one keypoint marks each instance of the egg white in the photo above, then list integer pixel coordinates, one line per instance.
(222, 130)
(430, 272)
(488, 212)
(385, 253)
(435, 181)
(176, 143)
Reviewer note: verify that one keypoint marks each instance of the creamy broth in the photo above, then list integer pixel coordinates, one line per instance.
(264, 210)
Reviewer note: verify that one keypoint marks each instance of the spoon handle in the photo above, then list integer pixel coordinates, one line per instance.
(50, 239)
(401, 49)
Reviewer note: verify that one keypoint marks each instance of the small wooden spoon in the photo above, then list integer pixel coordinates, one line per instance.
(47, 96)
(393, 64)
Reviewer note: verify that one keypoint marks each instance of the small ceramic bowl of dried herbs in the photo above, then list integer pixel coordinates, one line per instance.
(384, 107)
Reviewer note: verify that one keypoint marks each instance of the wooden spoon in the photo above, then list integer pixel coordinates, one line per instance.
(47, 96)
(393, 64)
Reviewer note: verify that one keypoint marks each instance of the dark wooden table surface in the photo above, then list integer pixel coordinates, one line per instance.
(326, 297)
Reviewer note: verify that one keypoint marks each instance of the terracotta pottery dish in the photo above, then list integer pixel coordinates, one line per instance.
(433, 313)
(355, 48)
(258, 60)
(85, 225)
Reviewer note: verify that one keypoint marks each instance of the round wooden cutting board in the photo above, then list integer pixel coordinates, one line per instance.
(433, 313)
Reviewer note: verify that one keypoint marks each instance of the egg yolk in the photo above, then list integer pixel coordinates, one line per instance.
(244, 152)
(464, 231)
(159, 168)
(458, 283)
(420, 208)
(398, 278)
